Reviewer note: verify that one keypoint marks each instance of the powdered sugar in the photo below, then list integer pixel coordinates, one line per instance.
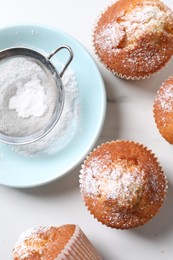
(131, 26)
(113, 182)
(66, 127)
(32, 243)
(111, 36)
(124, 178)
(24, 247)
(165, 98)
(20, 76)
(143, 20)
(30, 100)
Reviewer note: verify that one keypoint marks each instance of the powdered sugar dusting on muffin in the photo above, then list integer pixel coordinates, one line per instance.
(111, 36)
(163, 110)
(29, 240)
(133, 25)
(122, 184)
(144, 19)
(113, 182)
(134, 40)
(166, 98)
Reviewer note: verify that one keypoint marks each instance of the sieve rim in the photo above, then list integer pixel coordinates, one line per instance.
(59, 104)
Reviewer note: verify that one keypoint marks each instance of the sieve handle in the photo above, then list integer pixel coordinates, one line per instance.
(68, 61)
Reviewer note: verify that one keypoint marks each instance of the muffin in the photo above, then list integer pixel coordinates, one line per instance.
(134, 38)
(66, 242)
(163, 110)
(122, 184)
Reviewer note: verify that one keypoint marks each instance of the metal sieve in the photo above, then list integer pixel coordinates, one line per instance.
(20, 70)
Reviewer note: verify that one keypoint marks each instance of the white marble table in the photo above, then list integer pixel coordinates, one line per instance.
(129, 116)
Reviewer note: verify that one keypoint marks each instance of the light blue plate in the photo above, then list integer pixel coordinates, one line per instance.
(19, 171)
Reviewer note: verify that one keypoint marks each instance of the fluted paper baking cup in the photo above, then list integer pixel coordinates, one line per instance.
(79, 247)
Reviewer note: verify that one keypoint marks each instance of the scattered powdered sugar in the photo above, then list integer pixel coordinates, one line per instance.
(32, 232)
(131, 26)
(111, 36)
(31, 241)
(165, 98)
(112, 182)
(124, 180)
(144, 19)
(66, 127)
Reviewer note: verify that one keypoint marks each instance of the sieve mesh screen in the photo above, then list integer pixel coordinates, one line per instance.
(28, 96)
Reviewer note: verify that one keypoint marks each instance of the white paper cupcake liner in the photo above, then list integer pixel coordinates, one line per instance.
(79, 248)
